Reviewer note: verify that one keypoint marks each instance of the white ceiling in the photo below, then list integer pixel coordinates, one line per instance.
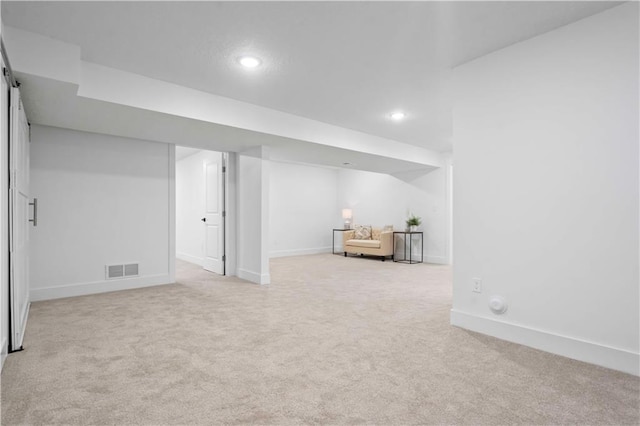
(343, 63)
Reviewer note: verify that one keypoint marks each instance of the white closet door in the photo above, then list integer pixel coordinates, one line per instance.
(18, 219)
(213, 215)
(4, 217)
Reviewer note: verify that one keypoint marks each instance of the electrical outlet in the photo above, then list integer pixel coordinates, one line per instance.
(476, 285)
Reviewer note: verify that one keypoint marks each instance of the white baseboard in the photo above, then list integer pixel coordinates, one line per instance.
(82, 289)
(191, 259)
(300, 252)
(593, 353)
(254, 277)
(440, 260)
(4, 350)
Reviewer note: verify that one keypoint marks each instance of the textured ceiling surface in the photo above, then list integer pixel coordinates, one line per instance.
(345, 63)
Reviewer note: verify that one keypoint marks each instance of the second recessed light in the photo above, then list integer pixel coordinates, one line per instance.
(249, 61)
(397, 116)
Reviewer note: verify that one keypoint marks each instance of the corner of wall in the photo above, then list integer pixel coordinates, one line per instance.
(230, 192)
(254, 277)
(172, 212)
(252, 226)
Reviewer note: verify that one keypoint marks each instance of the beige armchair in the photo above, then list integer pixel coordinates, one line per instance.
(380, 244)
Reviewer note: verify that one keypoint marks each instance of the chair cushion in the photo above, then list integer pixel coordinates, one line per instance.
(363, 243)
(363, 232)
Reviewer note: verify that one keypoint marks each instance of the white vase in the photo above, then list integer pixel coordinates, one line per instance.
(413, 228)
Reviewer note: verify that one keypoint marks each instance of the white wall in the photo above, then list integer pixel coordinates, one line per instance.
(102, 200)
(190, 205)
(546, 191)
(379, 199)
(303, 208)
(252, 204)
(306, 203)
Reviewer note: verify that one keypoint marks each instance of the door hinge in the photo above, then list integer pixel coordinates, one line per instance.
(224, 257)
(224, 214)
(224, 169)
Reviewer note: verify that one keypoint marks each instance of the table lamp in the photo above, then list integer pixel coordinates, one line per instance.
(347, 215)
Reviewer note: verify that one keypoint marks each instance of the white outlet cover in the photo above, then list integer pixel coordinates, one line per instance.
(498, 305)
(477, 285)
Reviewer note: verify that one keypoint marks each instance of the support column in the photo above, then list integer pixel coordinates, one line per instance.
(253, 215)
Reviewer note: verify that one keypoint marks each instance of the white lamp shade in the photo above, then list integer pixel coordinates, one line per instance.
(346, 213)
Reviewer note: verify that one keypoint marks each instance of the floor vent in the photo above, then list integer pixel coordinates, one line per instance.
(122, 271)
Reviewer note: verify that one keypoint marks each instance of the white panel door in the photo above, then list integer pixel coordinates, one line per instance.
(214, 215)
(18, 219)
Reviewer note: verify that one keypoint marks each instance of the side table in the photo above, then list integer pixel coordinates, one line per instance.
(408, 237)
(333, 240)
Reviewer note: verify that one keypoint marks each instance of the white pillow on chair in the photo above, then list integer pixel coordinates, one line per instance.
(363, 232)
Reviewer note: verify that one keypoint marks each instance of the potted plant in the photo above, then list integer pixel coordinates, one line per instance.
(413, 222)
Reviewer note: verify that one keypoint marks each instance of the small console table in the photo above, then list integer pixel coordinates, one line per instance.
(333, 241)
(408, 238)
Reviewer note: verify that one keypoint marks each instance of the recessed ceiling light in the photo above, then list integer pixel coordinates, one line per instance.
(249, 61)
(398, 115)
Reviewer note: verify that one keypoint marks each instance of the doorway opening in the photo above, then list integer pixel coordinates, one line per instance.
(201, 187)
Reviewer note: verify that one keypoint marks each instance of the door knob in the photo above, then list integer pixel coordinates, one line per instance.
(204, 219)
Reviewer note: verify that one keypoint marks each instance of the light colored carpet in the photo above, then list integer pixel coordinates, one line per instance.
(333, 340)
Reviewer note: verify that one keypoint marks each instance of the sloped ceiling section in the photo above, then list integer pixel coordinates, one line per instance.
(60, 89)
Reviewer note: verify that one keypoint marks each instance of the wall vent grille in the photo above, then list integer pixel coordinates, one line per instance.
(122, 271)
(115, 271)
(131, 270)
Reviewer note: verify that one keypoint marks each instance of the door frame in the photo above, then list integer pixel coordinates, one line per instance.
(229, 220)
